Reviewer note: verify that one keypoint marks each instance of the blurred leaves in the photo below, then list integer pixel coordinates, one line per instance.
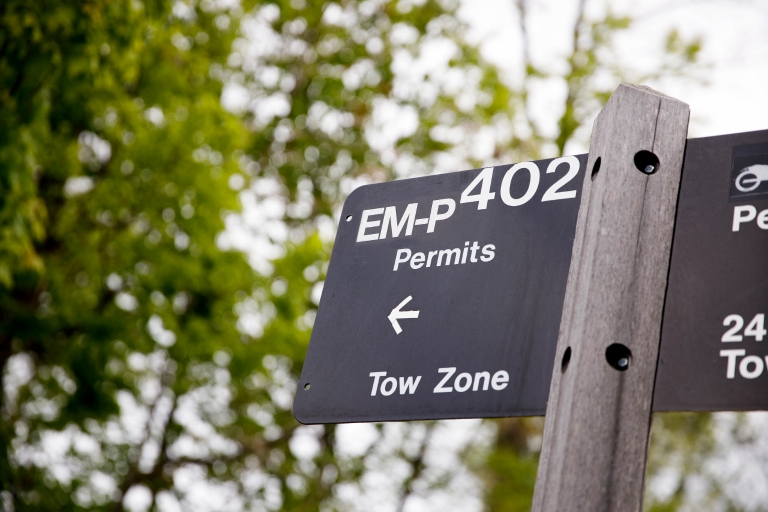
(115, 286)
(170, 178)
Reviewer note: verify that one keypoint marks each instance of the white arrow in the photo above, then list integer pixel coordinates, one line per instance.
(396, 315)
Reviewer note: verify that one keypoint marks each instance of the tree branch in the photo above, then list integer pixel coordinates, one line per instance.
(418, 467)
(134, 475)
(568, 122)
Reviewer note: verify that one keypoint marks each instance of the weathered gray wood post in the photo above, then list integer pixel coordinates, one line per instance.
(599, 411)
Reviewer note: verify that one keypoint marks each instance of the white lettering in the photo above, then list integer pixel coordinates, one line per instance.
(449, 373)
(473, 249)
(762, 220)
(365, 224)
(376, 376)
(506, 182)
(409, 385)
(486, 378)
(406, 256)
(738, 218)
(488, 253)
(462, 387)
(499, 380)
(417, 261)
(444, 257)
(388, 380)
(744, 367)
(732, 354)
(447, 253)
(435, 216)
(554, 193)
(390, 219)
(485, 195)
(756, 327)
(732, 333)
(464, 381)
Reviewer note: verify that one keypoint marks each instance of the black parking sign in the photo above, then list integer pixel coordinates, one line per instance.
(714, 344)
(443, 296)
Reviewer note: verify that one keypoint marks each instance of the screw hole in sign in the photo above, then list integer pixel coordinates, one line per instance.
(646, 162)
(306, 386)
(349, 218)
(618, 356)
(566, 359)
(596, 168)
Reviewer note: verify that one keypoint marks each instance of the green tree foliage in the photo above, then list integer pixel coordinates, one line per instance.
(170, 176)
(706, 461)
(115, 154)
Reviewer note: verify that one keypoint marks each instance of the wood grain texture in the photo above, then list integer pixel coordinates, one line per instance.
(598, 418)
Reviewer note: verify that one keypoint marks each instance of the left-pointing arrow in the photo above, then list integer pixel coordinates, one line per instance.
(396, 315)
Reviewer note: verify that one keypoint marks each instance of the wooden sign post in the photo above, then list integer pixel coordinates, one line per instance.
(599, 411)
(444, 293)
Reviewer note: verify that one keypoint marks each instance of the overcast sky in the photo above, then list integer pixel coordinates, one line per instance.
(733, 98)
(735, 34)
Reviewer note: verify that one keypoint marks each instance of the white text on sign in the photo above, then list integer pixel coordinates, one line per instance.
(445, 256)
(746, 214)
(379, 223)
(389, 385)
(479, 381)
(750, 366)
